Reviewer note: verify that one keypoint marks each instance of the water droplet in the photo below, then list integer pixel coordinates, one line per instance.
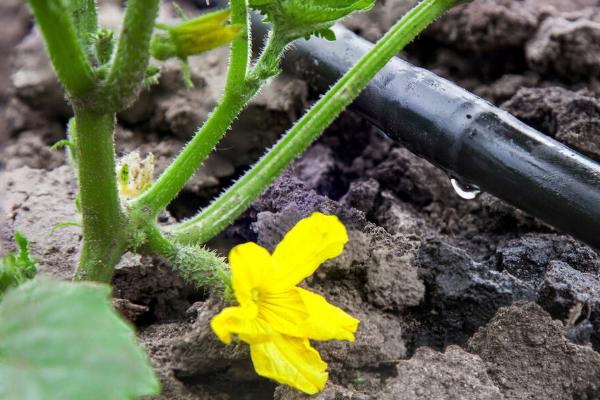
(465, 190)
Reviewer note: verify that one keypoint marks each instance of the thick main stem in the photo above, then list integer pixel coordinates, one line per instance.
(104, 225)
(238, 197)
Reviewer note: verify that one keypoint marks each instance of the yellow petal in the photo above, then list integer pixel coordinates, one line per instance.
(291, 361)
(326, 321)
(251, 265)
(285, 312)
(306, 246)
(241, 321)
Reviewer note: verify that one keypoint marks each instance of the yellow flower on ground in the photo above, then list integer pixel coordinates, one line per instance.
(277, 318)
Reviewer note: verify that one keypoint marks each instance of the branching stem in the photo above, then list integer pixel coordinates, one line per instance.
(240, 87)
(133, 53)
(238, 197)
(85, 20)
(64, 48)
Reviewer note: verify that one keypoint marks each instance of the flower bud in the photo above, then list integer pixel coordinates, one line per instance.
(193, 36)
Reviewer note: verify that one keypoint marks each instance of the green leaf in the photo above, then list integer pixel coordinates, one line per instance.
(303, 18)
(17, 268)
(64, 340)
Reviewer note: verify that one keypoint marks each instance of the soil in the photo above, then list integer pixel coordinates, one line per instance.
(457, 299)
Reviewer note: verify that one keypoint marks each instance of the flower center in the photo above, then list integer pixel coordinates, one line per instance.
(255, 294)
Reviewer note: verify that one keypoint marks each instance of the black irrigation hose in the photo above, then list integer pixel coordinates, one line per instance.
(463, 134)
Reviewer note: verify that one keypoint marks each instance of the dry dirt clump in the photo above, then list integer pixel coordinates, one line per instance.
(437, 282)
(528, 357)
(34, 202)
(568, 116)
(453, 375)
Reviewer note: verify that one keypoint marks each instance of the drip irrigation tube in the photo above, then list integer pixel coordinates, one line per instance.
(464, 135)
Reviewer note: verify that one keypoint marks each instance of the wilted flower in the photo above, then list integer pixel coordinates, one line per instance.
(134, 174)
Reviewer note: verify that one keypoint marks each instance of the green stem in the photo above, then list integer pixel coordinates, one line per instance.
(152, 201)
(104, 225)
(238, 197)
(85, 21)
(156, 243)
(195, 264)
(240, 48)
(132, 56)
(237, 94)
(65, 51)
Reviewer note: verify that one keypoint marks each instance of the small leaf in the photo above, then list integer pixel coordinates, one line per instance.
(326, 34)
(17, 268)
(60, 144)
(64, 340)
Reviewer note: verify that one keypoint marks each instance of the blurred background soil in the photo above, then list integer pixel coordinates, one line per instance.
(457, 299)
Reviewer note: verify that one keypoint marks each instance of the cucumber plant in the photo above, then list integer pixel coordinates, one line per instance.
(103, 73)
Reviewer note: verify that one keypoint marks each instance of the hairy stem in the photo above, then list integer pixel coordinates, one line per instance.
(133, 53)
(236, 96)
(104, 225)
(64, 48)
(85, 20)
(238, 197)
(195, 264)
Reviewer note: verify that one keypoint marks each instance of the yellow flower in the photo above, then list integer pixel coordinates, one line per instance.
(277, 318)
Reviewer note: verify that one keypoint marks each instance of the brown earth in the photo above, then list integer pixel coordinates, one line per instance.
(457, 299)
